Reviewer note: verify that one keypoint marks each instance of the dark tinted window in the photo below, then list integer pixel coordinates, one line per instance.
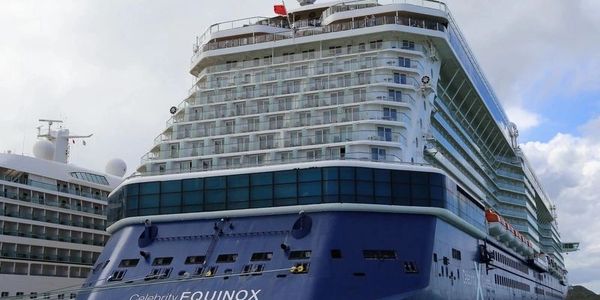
(170, 186)
(302, 254)
(261, 256)
(162, 261)
(227, 258)
(128, 263)
(149, 188)
(195, 260)
(192, 184)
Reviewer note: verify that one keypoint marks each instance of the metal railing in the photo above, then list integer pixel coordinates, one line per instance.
(343, 26)
(51, 187)
(355, 156)
(273, 143)
(332, 116)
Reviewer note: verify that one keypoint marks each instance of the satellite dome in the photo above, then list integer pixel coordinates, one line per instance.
(116, 167)
(43, 149)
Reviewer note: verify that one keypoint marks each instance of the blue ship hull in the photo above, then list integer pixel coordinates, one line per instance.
(316, 255)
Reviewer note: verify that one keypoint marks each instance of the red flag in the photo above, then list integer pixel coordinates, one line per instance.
(280, 9)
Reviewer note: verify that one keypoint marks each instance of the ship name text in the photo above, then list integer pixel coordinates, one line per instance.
(202, 295)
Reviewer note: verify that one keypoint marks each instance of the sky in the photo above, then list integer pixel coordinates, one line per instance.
(114, 68)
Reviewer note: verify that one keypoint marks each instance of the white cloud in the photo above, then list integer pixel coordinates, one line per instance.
(534, 50)
(523, 118)
(569, 167)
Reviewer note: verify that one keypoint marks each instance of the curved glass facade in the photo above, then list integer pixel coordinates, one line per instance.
(293, 187)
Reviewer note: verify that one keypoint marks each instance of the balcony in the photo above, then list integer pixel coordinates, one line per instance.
(310, 31)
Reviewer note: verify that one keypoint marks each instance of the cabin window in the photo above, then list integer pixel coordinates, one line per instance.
(261, 256)
(302, 254)
(128, 263)
(379, 254)
(162, 261)
(227, 258)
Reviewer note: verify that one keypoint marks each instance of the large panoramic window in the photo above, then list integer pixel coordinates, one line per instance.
(295, 187)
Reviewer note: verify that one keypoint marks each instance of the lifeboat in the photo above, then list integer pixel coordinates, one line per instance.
(497, 225)
(512, 239)
(504, 232)
(522, 244)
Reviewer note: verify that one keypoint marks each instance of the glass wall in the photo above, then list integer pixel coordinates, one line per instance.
(283, 188)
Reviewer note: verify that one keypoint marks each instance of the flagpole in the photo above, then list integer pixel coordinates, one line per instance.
(288, 19)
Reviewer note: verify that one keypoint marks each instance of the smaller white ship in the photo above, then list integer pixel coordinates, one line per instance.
(52, 216)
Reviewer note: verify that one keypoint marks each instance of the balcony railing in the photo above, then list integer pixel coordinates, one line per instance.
(362, 156)
(322, 117)
(344, 26)
(50, 187)
(395, 139)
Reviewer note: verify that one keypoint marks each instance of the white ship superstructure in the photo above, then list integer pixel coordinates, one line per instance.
(53, 218)
(343, 84)
(340, 150)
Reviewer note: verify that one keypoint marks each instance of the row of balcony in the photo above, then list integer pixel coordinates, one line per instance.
(310, 31)
(272, 106)
(363, 53)
(270, 141)
(381, 154)
(307, 70)
(54, 237)
(46, 257)
(90, 193)
(44, 216)
(206, 108)
(326, 83)
(274, 122)
(40, 199)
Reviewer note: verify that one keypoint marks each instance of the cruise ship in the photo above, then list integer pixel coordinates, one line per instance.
(52, 217)
(338, 150)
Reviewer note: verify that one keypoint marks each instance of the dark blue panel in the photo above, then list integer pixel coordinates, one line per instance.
(170, 199)
(381, 175)
(214, 182)
(193, 198)
(436, 179)
(285, 190)
(330, 173)
(149, 201)
(237, 194)
(170, 210)
(309, 189)
(401, 176)
(419, 178)
(347, 173)
(285, 176)
(238, 181)
(193, 184)
(420, 191)
(132, 189)
(149, 188)
(262, 192)
(364, 174)
(132, 202)
(170, 186)
(262, 178)
(313, 174)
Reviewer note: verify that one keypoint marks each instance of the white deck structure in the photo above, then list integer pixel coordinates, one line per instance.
(52, 219)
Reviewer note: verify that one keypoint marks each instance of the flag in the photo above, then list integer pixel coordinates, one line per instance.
(280, 9)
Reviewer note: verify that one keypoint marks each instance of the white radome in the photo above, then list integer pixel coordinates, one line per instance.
(116, 167)
(43, 149)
